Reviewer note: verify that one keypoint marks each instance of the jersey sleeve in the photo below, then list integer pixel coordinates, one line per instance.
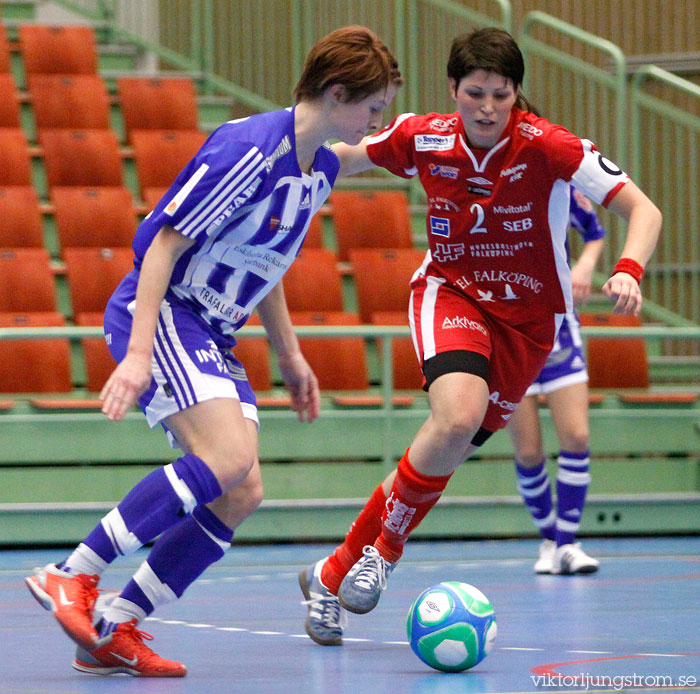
(598, 177)
(583, 218)
(579, 162)
(392, 148)
(218, 181)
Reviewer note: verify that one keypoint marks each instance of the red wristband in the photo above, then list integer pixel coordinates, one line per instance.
(631, 267)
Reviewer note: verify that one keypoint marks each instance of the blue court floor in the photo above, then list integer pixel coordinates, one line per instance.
(633, 626)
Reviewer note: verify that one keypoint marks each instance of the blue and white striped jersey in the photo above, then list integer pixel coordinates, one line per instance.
(246, 204)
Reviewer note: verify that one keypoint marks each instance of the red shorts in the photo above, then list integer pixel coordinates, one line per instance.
(443, 320)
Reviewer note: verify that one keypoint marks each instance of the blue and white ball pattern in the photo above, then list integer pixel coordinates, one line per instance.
(451, 626)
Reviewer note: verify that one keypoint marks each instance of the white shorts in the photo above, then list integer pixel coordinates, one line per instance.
(191, 362)
(566, 364)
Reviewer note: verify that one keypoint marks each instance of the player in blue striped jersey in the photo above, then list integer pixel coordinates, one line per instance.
(214, 248)
(563, 382)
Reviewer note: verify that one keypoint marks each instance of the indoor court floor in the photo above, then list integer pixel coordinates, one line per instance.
(633, 626)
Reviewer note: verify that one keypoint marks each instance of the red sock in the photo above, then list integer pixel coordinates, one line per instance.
(413, 494)
(364, 531)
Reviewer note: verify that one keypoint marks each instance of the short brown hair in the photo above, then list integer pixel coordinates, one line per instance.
(491, 49)
(353, 56)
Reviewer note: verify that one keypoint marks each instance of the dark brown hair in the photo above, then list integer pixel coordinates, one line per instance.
(491, 49)
(352, 56)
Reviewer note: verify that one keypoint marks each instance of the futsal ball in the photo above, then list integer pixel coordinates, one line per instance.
(451, 626)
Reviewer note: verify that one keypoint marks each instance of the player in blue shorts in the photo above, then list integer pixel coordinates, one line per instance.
(214, 248)
(563, 382)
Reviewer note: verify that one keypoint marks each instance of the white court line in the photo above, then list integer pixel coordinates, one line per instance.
(591, 652)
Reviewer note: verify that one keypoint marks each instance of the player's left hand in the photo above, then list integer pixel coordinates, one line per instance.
(581, 281)
(302, 385)
(623, 289)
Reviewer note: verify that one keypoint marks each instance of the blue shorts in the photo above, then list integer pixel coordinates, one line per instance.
(191, 361)
(566, 364)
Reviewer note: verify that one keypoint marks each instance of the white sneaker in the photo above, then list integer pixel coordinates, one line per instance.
(571, 559)
(545, 562)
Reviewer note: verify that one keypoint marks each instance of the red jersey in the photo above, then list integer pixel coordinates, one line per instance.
(498, 218)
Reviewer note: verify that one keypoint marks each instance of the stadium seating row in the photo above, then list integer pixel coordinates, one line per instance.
(313, 283)
(96, 218)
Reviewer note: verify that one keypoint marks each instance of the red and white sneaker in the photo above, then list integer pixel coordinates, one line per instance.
(124, 652)
(71, 598)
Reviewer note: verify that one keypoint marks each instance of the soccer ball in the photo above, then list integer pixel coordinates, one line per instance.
(451, 626)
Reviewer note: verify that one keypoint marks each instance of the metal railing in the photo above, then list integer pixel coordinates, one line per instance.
(385, 334)
(666, 162)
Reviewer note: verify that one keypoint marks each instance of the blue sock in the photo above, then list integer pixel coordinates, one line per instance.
(534, 487)
(158, 501)
(177, 559)
(573, 479)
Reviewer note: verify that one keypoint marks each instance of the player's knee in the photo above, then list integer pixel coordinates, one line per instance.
(460, 425)
(530, 457)
(230, 461)
(576, 440)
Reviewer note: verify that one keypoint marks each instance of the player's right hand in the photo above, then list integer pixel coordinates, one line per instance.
(131, 378)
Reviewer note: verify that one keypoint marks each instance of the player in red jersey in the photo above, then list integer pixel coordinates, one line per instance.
(487, 301)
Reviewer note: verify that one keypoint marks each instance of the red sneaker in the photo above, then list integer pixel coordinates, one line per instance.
(71, 598)
(123, 651)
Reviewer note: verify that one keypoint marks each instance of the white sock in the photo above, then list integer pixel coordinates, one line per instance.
(84, 561)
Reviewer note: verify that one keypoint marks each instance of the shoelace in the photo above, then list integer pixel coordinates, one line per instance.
(89, 594)
(332, 614)
(137, 638)
(374, 568)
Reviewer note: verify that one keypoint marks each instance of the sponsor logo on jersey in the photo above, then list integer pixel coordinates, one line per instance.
(212, 300)
(510, 294)
(529, 131)
(498, 250)
(463, 282)
(485, 295)
(434, 143)
(510, 277)
(447, 251)
(518, 224)
(237, 202)
(462, 322)
(305, 204)
(438, 203)
(173, 206)
(444, 171)
(480, 190)
(512, 209)
(480, 181)
(439, 226)
(282, 148)
(442, 124)
(275, 225)
(514, 172)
